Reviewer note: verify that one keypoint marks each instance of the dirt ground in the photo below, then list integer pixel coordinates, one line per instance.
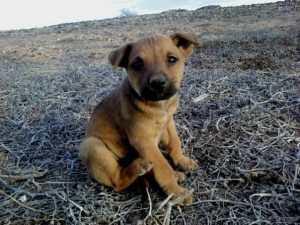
(239, 116)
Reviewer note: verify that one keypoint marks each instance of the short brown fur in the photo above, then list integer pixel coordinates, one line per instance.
(125, 123)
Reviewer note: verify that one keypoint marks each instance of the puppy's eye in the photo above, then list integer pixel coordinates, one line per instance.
(137, 64)
(172, 59)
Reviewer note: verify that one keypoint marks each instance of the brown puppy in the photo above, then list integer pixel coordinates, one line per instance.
(138, 117)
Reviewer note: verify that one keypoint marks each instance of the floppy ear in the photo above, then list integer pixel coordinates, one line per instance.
(186, 42)
(119, 57)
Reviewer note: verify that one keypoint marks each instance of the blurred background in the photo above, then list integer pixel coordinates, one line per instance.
(15, 14)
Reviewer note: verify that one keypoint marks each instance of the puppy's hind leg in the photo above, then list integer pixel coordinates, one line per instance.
(104, 167)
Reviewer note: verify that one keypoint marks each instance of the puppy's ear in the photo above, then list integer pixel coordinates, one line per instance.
(120, 56)
(185, 42)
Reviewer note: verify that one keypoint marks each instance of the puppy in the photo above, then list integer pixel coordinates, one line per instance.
(137, 118)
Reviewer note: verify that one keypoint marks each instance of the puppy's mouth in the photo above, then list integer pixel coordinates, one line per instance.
(149, 94)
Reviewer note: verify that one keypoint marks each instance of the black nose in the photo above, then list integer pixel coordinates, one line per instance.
(158, 83)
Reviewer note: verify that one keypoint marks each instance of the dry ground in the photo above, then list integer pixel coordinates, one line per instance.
(239, 116)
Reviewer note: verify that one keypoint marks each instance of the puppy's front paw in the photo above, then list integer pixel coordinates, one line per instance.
(180, 176)
(143, 166)
(184, 197)
(186, 163)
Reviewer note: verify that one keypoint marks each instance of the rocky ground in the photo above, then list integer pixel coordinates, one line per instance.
(239, 117)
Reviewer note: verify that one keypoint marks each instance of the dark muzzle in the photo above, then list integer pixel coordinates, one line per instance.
(158, 88)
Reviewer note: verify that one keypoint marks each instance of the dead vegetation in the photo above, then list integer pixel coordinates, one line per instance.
(239, 116)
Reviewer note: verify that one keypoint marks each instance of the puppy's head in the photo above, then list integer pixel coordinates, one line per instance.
(155, 65)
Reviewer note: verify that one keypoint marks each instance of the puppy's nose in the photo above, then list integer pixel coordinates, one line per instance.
(158, 83)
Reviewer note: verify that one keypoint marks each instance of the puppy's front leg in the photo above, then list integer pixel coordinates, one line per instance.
(173, 146)
(163, 172)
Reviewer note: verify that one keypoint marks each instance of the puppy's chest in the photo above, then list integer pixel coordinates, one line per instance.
(161, 121)
(163, 116)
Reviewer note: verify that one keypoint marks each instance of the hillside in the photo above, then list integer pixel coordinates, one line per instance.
(239, 116)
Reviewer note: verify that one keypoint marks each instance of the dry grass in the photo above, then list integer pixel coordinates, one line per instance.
(239, 117)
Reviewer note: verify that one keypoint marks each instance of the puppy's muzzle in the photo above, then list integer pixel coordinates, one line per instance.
(158, 83)
(158, 87)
